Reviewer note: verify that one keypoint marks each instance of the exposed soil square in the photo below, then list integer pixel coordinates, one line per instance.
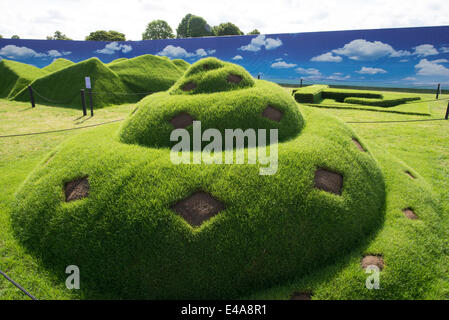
(373, 260)
(76, 189)
(234, 78)
(272, 113)
(189, 86)
(328, 181)
(181, 120)
(198, 207)
(409, 213)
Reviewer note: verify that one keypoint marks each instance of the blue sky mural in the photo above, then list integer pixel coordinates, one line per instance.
(401, 57)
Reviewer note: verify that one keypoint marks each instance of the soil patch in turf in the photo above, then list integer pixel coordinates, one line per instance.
(357, 143)
(409, 213)
(272, 113)
(328, 181)
(372, 260)
(234, 78)
(198, 207)
(189, 86)
(181, 120)
(76, 189)
(410, 174)
(301, 295)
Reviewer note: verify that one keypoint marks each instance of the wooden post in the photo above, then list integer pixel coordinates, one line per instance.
(83, 101)
(438, 92)
(31, 96)
(91, 104)
(447, 111)
(258, 76)
(300, 84)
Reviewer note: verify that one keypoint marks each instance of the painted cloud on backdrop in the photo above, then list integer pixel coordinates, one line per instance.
(114, 47)
(11, 51)
(261, 41)
(179, 52)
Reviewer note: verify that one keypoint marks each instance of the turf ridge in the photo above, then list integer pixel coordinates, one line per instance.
(323, 97)
(130, 243)
(58, 64)
(16, 76)
(124, 81)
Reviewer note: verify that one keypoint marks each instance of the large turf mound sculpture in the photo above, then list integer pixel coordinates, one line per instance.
(121, 81)
(138, 226)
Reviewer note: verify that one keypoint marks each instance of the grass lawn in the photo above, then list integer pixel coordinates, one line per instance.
(415, 252)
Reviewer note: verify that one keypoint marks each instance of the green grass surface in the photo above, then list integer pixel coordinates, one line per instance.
(124, 81)
(147, 73)
(15, 76)
(117, 60)
(58, 64)
(394, 102)
(415, 252)
(210, 75)
(309, 94)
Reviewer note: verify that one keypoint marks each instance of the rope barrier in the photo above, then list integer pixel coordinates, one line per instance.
(60, 130)
(18, 285)
(393, 121)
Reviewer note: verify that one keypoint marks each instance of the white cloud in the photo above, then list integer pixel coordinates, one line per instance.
(444, 49)
(261, 41)
(431, 68)
(403, 60)
(19, 53)
(338, 76)
(282, 65)
(440, 61)
(327, 57)
(271, 43)
(112, 47)
(363, 50)
(179, 52)
(369, 70)
(410, 79)
(308, 71)
(425, 50)
(237, 57)
(11, 51)
(56, 53)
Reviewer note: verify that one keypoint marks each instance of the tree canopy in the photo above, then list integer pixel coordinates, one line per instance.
(198, 27)
(227, 29)
(255, 31)
(15, 37)
(58, 35)
(102, 35)
(158, 29)
(181, 31)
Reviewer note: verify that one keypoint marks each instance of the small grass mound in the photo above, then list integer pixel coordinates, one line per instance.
(58, 64)
(149, 228)
(15, 76)
(212, 75)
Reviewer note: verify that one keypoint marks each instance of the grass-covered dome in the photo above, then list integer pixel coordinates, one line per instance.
(138, 226)
(219, 94)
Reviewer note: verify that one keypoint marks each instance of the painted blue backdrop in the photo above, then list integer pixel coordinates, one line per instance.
(401, 57)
